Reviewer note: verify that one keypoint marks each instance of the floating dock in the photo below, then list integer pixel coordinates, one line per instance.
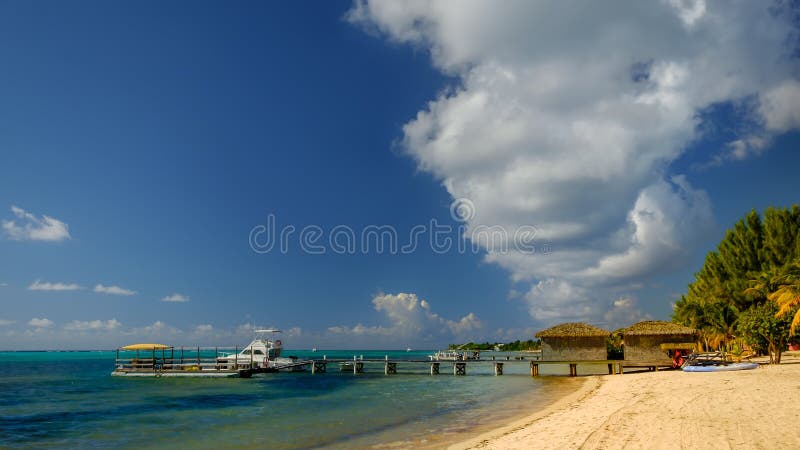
(156, 360)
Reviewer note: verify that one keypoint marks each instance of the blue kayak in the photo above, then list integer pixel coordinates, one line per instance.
(721, 367)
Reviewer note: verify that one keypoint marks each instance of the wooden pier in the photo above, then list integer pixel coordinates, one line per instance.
(210, 362)
(459, 367)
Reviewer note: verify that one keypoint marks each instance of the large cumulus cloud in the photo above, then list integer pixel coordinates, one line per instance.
(567, 116)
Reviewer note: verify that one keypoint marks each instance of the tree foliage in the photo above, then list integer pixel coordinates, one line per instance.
(765, 330)
(752, 265)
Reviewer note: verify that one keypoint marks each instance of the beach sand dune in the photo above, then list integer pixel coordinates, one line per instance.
(752, 409)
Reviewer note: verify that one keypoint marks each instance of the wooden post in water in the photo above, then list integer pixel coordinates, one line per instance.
(389, 367)
(434, 368)
(573, 370)
(355, 366)
(534, 369)
(498, 368)
(459, 368)
(319, 366)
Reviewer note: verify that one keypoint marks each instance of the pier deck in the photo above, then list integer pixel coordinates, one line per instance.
(459, 367)
(207, 362)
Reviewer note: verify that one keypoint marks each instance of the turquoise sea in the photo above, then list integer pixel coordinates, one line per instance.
(69, 400)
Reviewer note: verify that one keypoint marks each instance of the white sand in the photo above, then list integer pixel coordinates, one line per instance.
(669, 409)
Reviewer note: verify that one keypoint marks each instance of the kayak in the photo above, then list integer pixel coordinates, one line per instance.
(721, 367)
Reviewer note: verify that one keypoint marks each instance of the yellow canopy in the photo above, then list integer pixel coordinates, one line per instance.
(145, 347)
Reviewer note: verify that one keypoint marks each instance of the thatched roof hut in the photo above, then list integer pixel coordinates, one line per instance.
(574, 341)
(651, 340)
(657, 327)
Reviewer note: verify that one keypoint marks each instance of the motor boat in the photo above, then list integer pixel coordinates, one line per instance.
(455, 355)
(264, 351)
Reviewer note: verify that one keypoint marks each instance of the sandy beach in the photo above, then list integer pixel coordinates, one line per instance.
(668, 409)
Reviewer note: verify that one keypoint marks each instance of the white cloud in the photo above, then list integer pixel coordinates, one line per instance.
(3, 284)
(779, 106)
(294, 332)
(47, 286)
(205, 328)
(690, 11)
(5, 322)
(93, 325)
(41, 323)
(113, 290)
(410, 319)
(568, 119)
(624, 311)
(156, 326)
(176, 298)
(28, 227)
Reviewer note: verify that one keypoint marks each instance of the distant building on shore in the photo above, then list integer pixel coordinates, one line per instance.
(573, 341)
(656, 340)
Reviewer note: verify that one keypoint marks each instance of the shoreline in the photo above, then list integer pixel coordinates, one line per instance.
(666, 409)
(484, 440)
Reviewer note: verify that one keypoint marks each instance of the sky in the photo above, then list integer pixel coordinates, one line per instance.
(378, 174)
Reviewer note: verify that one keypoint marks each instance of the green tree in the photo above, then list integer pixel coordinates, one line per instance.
(764, 330)
(748, 269)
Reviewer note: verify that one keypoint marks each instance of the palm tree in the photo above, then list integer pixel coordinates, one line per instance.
(787, 296)
(722, 318)
(765, 284)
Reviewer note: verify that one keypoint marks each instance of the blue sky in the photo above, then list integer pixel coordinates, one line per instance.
(156, 137)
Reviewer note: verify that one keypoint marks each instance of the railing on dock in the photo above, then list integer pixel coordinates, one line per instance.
(183, 359)
(459, 367)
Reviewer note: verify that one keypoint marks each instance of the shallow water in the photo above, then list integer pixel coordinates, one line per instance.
(69, 400)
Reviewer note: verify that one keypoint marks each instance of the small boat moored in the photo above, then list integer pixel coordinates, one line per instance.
(721, 367)
(713, 362)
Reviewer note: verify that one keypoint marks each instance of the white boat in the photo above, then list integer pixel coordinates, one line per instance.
(454, 355)
(721, 367)
(264, 352)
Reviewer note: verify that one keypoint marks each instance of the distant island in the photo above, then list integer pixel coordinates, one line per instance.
(516, 346)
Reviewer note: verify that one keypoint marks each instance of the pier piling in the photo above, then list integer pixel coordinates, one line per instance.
(498, 368)
(319, 366)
